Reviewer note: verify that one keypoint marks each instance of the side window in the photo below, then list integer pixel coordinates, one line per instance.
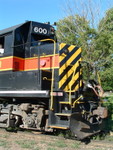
(8, 44)
(1, 45)
(18, 39)
(19, 44)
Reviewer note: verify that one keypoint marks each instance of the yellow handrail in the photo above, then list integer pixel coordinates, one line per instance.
(52, 82)
(77, 100)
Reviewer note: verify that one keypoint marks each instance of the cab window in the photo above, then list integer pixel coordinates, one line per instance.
(1, 45)
(6, 45)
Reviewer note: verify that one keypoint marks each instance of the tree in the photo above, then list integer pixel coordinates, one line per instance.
(97, 43)
(76, 30)
(104, 46)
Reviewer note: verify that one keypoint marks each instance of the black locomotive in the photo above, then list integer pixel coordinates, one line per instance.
(41, 83)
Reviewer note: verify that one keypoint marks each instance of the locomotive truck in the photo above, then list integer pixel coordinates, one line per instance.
(41, 83)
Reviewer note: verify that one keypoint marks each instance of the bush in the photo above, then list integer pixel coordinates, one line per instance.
(108, 102)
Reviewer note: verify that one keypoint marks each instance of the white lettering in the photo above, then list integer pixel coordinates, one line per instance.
(40, 30)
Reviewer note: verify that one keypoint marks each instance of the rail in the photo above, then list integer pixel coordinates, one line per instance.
(53, 71)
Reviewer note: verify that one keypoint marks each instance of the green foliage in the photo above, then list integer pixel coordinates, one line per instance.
(96, 43)
(104, 46)
(107, 78)
(75, 30)
(109, 104)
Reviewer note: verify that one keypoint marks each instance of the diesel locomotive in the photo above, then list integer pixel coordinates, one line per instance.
(41, 83)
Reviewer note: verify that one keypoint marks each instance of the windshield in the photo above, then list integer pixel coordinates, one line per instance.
(35, 40)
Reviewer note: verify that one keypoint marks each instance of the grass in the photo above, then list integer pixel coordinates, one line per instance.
(31, 142)
(4, 143)
(43, 142)
(51, 148)
(75, 145)
(109, 138)
(36, 148)
(4, 136)
(61, 144)
(58, 144)
(26, 144)
(54, 145)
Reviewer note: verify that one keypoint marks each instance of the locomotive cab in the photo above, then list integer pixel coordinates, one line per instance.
(24, 57)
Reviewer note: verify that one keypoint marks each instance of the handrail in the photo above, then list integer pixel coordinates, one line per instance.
(52, 82)
(77, 100)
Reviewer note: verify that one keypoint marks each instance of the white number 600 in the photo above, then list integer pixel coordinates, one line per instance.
(40, 30)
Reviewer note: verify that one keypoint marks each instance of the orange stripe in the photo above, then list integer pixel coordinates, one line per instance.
(6, 63)
(18, 64)
(21, 64)
(45, 62)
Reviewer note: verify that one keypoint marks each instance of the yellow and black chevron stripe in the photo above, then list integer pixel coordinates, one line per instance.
(70, 77)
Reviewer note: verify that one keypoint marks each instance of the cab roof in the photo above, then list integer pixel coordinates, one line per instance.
(11, 29)
(8, 30)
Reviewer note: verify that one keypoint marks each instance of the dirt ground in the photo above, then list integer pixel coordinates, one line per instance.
(37, 141)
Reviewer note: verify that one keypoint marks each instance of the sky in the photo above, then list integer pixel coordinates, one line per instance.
(13, 12)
